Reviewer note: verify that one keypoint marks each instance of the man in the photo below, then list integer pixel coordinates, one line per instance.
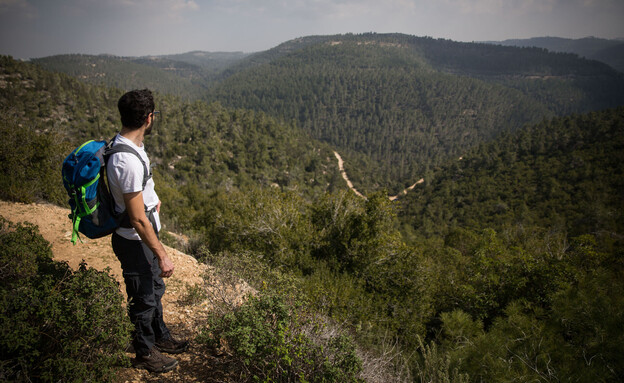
(136, 244)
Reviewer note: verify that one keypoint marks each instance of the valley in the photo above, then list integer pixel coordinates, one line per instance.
(343, 173)
(323, 172)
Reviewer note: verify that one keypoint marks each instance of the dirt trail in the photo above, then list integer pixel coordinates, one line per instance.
(344, 175)
(350, 184)
(404, 192)
(183, 319)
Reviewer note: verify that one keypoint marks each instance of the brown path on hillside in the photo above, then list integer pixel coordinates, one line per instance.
(183, 319)
(344, 175)
(350, 184)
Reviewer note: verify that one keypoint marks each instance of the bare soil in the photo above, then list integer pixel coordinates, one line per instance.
(343, 172)
(183, 318)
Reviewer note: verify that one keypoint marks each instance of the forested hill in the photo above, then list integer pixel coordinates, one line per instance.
(565, 174)
(213, 62)
(197, 148)
(186, 75)
(608, 51)
(395, 105)
(176, 78)
(513, 271)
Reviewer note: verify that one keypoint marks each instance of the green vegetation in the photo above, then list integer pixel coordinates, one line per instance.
(381, 106)
(58, 325)
(607, 51)
(394, 105)
(504, 265)
(179, 79)
(271, 340)
(29, 172)
(198, 148)
(186, 75)
(564, 174)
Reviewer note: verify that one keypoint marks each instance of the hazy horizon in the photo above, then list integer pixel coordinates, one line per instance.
(38, 28)
(251, 52)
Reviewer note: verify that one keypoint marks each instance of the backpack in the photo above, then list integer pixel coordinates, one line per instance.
(84, 177)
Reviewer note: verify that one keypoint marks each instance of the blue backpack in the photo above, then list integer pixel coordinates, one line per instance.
(84, 177)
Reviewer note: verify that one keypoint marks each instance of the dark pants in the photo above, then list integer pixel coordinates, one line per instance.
(145, 289)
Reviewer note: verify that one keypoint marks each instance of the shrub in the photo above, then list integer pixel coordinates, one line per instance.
(434, 365)
(263, 221)
(55, 324)
(268, 340)
(29, 163)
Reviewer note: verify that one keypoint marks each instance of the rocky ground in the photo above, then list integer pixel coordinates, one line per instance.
(183, 315)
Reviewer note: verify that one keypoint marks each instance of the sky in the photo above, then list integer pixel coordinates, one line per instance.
(38, 28)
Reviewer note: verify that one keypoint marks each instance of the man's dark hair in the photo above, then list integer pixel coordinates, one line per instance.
(134, 107)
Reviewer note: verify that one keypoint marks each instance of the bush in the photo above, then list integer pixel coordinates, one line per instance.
(55, 324)
(260, 220)
(268, 340)
(30, 163)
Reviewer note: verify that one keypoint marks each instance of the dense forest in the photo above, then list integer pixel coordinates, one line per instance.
(564, 174)
(198, 147)
(368, 101)
(394, 105)
(503, 265)
(409, 103)
(609, 51)
(171, 77)
(187, 75)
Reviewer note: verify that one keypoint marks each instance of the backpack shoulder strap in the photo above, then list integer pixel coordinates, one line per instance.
(123, 148)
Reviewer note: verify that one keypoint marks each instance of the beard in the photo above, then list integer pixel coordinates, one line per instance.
(148, 131)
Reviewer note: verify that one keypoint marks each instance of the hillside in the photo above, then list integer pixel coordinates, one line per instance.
(179, 79)
(183, 318)
(565, 174)
(212, 62)
(197, 148)
(396, 105)
(187, 75)
(526, 287)
(610, 52)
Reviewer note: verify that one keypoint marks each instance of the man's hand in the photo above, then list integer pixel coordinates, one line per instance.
(158, 207)
(166, 266)
(138, 220)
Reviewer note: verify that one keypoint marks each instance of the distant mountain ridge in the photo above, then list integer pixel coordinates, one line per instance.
(176, 78)
(609, 51)
(196, 148)
(185, 75)
(408, 102)
(394, 105)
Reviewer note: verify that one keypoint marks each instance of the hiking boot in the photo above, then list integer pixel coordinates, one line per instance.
(155, 362)
(172, 346)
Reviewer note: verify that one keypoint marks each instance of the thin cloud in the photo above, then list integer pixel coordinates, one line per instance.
(166, 7)
(492, 7)
(160, 10)
(182, 5)
(311, 9)
(20, 7)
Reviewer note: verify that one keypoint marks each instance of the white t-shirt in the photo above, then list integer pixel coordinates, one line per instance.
(125, 175)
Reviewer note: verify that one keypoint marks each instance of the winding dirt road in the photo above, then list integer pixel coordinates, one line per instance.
(344, 175)
(350, 184)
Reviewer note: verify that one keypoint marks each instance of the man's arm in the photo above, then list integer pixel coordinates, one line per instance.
(138, 220)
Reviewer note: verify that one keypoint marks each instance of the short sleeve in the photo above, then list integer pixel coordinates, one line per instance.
(127, 172)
